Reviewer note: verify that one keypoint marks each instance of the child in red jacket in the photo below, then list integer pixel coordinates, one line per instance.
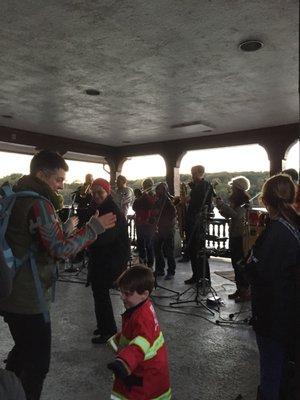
(141, 368)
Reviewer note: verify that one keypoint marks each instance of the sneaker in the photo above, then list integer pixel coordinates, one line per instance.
(169, 277)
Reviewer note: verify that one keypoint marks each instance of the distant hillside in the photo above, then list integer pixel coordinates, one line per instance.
(256, 179)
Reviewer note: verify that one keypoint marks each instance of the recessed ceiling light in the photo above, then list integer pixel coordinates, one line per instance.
(191, 127)
(92, 92)
(251, 45)
(7, 116)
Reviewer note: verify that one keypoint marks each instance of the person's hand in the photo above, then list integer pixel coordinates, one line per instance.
(107, 220)
(119, 368)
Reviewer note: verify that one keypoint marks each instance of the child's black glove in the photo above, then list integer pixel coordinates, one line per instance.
(121, 372)
(118, 369)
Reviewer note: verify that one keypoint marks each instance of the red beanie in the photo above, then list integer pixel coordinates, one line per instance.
(103, 183)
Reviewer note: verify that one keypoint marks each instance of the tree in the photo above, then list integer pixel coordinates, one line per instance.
(12, 178)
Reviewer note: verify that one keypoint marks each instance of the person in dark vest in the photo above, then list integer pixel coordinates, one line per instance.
(165, 218)
(83, 198)
(199, 202)
(108, 257)
(35, 224)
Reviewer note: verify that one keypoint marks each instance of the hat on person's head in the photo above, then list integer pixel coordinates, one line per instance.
(163, 187)
(147, 183)
(103, 183)
(240, 182)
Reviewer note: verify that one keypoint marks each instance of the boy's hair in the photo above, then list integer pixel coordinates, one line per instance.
(136, 279)
(47, 160)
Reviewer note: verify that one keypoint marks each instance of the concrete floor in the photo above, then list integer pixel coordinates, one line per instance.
(207, 361)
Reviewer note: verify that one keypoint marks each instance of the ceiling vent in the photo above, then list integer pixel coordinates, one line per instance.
(251, 45)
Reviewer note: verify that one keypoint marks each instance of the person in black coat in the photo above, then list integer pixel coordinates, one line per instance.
(108, 257)
(165, 216)
(200, 199)
(273, 270)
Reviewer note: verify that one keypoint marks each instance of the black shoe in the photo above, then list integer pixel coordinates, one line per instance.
(102, 339)
(71, 269)
(160, 273)
(97, 332)
(183, 260)
(191, 281)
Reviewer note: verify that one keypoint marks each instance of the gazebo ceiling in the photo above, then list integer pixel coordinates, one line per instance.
(165, 70)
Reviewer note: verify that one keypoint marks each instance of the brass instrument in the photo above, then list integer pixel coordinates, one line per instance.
(85, 189)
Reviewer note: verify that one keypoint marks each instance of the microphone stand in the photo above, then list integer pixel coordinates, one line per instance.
(203, 286)
(156, 285)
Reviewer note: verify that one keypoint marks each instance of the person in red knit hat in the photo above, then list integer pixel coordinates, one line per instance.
(108, 257)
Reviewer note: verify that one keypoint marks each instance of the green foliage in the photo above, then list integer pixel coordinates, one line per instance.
(12, 179)
(256, 179)
(67, 191)
(69, 188)
(222, 189)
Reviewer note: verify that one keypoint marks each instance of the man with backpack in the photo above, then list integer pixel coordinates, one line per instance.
(35, 236)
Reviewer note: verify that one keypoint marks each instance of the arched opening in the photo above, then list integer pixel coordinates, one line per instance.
(14, 165)
(293, 156)
(221, 164)
(229, 159)
(138, 168)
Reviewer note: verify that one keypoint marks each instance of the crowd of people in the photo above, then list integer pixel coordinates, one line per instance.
(267, 274)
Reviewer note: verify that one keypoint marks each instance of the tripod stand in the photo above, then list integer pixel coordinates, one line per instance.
(203, 285)
(157, 286)
(201, 288)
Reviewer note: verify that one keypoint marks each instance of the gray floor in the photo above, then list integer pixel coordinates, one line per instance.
(207, 361)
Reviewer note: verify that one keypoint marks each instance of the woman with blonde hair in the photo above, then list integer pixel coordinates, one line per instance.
(235, 211)
(273, 270)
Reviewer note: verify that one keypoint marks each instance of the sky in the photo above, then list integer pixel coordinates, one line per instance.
(230, 159)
